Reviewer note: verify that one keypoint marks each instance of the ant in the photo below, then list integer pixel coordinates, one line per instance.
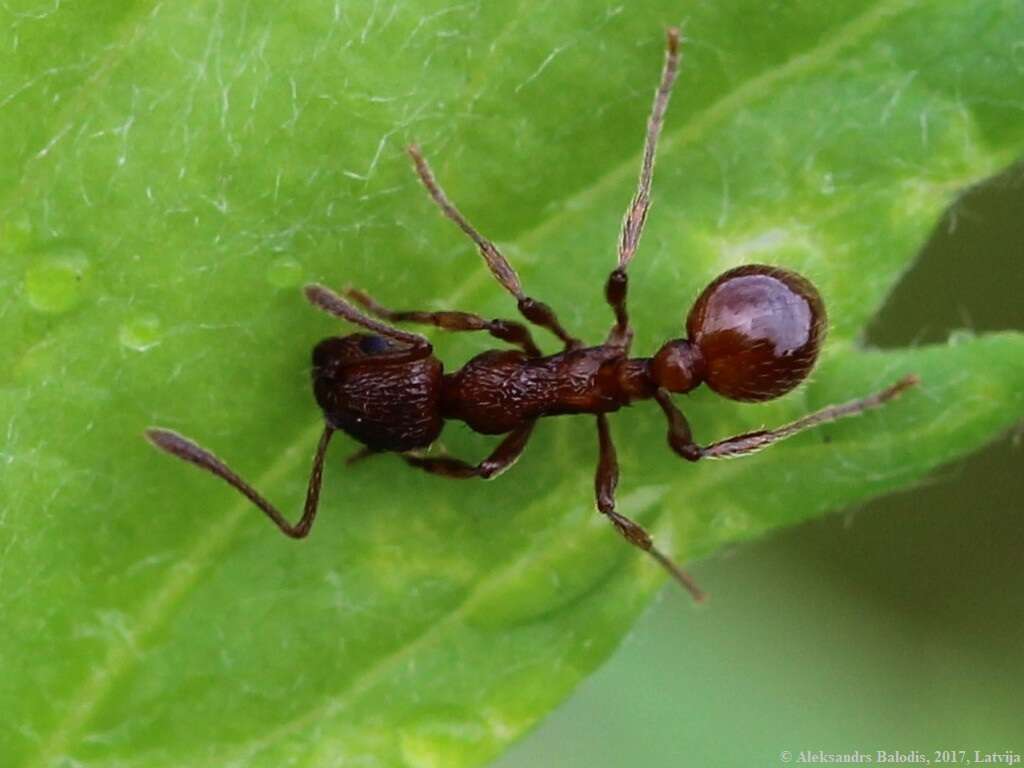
(752, 335)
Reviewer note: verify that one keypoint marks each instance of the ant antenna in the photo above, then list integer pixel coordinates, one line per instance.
(636, 216)
(633, 222)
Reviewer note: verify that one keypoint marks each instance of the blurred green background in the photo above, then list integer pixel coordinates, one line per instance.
(899, 625)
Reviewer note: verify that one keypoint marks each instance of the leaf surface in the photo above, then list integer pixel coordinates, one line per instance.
(171, 174)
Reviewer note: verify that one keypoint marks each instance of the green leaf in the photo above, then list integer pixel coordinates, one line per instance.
(171, 174)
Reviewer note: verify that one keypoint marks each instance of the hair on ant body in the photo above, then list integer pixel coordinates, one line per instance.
(753, 334)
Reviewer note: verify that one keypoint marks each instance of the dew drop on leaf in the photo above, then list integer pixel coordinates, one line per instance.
(140, 333)
(55, 282)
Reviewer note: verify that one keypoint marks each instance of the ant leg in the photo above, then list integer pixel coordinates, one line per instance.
(504, 456)
(681, 440)
(636, 215)
(537, 312)
(331, 303)
(185, 449)
(506, 330)
(605, 482)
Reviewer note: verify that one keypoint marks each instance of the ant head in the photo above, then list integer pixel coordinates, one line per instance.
(334, 354)
(754, 334)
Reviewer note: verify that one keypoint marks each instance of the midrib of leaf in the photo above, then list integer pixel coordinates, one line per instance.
(121, 657)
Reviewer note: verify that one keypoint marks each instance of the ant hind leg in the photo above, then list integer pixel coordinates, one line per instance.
(605, 482)
(537, 312)
(501, 458)
(680, 439)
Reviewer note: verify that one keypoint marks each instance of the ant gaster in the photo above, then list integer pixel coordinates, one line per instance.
(752, 335)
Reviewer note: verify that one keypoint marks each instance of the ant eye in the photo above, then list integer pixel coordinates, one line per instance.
(759, 330)
(335, 353)
(373, 345)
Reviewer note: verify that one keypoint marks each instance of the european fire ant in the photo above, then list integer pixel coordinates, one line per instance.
(752, 335)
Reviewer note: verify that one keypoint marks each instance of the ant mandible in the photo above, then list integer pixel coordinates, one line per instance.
(752, 335)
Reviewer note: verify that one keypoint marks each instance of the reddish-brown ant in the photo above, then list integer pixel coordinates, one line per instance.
(753, 334)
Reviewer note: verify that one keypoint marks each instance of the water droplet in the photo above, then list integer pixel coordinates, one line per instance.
(55, 282)
(284, 272)
(140, 333)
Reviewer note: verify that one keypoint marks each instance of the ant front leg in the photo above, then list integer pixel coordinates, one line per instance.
(416, 346)
(680, 439)
(605, 482)
(187, 450)
(504, 456)
(636, 216)
(537, 312)
(506, 330)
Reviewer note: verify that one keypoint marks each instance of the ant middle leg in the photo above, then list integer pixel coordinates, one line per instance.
(537, 312)
(606, 480)
(680, 438)
(506, 330)
(501, 458)
(187, 450)
(636, 215)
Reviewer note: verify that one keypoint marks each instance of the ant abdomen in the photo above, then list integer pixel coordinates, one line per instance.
(758, 330)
